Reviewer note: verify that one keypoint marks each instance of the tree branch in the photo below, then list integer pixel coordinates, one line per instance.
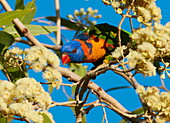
(94, 87)
(53, 47)
(20, 26)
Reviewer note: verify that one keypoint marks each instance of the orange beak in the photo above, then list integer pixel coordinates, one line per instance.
(65, 58)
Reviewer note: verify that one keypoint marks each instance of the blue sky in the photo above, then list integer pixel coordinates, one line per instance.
(127, 97)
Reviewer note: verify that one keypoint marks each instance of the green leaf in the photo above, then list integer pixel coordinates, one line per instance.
(34, 29)
(123, 121)
(50, 88)
(7, 17)
(30, 5)
(46, 118)
(6, 39)
(19, 4)
(16, 73)
(3, 120)
(66, 23)
(1, 67)
(78, 69)
(27, 19)
(137, 111)
(2, 49)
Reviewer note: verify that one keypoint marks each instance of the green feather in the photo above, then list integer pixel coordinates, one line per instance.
(109, 33)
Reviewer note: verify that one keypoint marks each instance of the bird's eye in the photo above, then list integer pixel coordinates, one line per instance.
(74, 51)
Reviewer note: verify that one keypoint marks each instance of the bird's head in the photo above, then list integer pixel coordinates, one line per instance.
(72, 52)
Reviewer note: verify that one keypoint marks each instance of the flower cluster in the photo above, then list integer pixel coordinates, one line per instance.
(137, 60)
(152, 43)
(118, 52)
(41, 55)
(12, 57)
(25, 109)
(30, 89)
(85, 16)
(39, 59)
(148, 44)
(53, 75)
(158, 102)
(143, 10)
(146, 10)
(23, 99)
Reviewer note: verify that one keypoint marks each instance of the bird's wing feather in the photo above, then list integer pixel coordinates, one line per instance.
(109, 33)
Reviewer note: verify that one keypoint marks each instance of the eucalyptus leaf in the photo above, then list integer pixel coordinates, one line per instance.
(16, 73)
(137, 111)
(34, 29)
(78, 69)
(123, 121)
(50, 88)
(27, 19)
(66, 23)
(6, 38)
(3, 120)
(1, 67)
(7, 17)
(19, 4)
(46, 118)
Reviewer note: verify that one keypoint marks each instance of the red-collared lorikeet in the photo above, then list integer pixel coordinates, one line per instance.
(93, 44)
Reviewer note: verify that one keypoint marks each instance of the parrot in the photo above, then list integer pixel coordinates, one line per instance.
(93, 44)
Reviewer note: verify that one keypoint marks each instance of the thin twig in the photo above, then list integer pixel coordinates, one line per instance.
(95, 104)
(70, 85)
(68, 103)
(104, 114)
(21, 119)
(43, 21)
(131, 24)
(123, 114)
(122, 20)
(163, 85)
(87, 95)
(65, 92)
(7, 75)
(45, 83)
(58, 22)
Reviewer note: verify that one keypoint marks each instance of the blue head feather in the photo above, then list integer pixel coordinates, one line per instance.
(70, 47)
(82, 37)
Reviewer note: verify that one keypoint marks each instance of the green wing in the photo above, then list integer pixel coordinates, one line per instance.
(109, 33)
